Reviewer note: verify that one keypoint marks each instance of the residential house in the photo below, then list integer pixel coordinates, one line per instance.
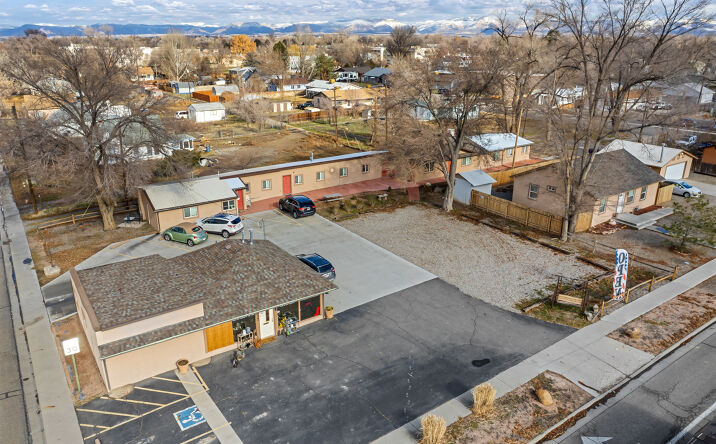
(689, 94)
(144, 74)
(617, 183)
(182, 87)
(670, 163)
(468, 181)
(140, 316)
(315, 87)
(206, 112)
(166, 204)
(221, 89)
(562, 97)
(502, 149)
(241, 75)
(290, 84)
(377, 76)
(346, 99)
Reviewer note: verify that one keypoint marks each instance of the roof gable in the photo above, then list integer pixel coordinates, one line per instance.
(652, 155)
(179, 194)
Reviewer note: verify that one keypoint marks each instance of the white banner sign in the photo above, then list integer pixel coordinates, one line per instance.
(620, 274)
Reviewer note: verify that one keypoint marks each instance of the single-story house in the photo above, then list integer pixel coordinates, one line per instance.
(345, 98)
(221, 89)
(241, 75)
(182, 87)
(671, 163)
(206, 112)
(141, 316)
(166, 204)
(144, 74)
(377, 76)
(618, 183)
(467, 181)
(290, 84)
(500, 147)
(315, 87)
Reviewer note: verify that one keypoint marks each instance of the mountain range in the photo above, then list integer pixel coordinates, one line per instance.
(461, 26)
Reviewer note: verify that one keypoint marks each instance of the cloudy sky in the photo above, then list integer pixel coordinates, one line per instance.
(222, 12)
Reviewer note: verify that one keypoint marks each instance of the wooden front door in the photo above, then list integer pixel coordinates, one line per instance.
(219, 336)
(287, 184)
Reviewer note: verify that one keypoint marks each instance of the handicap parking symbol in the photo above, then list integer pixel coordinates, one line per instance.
(189, 417)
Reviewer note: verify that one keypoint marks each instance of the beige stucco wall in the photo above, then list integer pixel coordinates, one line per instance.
(682, 157)
(149, 324)
(89, 331)
(169, 218)
(611, 208)
(331, 172)
(480, 162)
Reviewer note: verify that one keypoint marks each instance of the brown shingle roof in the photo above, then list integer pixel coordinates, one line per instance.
(230, 278)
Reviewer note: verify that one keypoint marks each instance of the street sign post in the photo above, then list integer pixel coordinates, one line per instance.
(71, 347)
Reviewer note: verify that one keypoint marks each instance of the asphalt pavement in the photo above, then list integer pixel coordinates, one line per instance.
(666, 404)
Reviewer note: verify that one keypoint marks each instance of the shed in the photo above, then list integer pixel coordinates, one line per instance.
(206, 112)
(467, 181)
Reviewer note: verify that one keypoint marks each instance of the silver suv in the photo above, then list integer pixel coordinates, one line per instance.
(222, 223)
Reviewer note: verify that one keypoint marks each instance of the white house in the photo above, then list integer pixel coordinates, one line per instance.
(206, 112)
(467, 181)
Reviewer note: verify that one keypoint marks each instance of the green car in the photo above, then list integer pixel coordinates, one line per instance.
(186, 232)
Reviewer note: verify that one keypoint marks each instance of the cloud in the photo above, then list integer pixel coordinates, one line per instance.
(122, 2)
(31, 6)
(78, 9)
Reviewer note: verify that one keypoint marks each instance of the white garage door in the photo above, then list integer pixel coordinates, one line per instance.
(675, 171)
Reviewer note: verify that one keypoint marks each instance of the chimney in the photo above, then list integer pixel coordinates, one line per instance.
(311, 156)
(251, 237)
(661, 157)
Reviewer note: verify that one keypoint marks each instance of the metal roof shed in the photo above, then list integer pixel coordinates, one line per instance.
(467, 181)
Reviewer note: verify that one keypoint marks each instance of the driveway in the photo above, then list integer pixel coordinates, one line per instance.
(364, 271)
(373, 368)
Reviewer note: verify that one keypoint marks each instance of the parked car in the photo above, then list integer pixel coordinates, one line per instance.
(687, 123)
(181, 115)
(304, 105)
(185, 232)
(687, 140)
(297, 205)
(682, 188)
(319, 264)
(222, 223)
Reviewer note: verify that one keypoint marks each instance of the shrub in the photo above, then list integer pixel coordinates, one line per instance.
(433, 429)
(483, 396)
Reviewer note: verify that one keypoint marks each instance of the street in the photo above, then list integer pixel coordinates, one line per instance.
(667, 403)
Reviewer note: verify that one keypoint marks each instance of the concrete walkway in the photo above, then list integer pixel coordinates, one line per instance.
(587, 357)
(48, 403)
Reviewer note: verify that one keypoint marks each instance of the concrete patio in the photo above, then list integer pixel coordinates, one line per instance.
(640, 221)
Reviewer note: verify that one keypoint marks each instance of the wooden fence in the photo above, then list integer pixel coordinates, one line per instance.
(303, 117)
(525, 215)
(505, 177)
(664, 194)
(650, 283)
(75, 218)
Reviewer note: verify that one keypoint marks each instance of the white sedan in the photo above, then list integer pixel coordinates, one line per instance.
(682, 188)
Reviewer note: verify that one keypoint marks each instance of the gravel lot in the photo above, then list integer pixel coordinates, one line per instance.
(485, 263)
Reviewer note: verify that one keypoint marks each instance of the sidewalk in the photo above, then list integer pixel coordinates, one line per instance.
(50, 413)
(587, 357)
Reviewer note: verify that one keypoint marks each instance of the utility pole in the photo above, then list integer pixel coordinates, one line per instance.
(335, 110)
(517, 137)
(385, 105)
(375, 121)
(24, 158)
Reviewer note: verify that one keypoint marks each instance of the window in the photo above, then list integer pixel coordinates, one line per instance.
(642, 196)
(602, 205)
(495, 156)
(525, 148)
(466, 161)
(429, 167)
(320, 175)
(630, 196)
(551, 189)
(509, 151)
(310, 307)
(267, 316)
(228, 205)
(343, 172)
(190, 212)
(533, 191)
(364, 168)
(298, 179)
(248, 188)
(266, 184)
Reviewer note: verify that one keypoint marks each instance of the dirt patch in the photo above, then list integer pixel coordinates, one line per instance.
(71, 244)
(672, 320)
(91, 382)
(518, 416)
(356, 205)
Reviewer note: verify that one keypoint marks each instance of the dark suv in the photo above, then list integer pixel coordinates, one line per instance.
(319, 264)
(297, 205)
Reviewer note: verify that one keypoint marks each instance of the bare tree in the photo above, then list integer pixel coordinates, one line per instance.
(611, 48)
(98, 107)
(252, 111)
(176, 56)
(432, 124)
(402, 39)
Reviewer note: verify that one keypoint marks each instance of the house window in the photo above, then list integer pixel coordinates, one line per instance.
(495, 156)
(466, 161)
(320, 175)
(524, 149)
(266, 184)
(228, 205)
(509, 151)
(343, 172)
(190, 212)
(630, 196)
(298, 179)
(533, 191)
(248, 188)
(602, 205)
(551, 189)
(364, 168)
(642, 196)
(429, 167)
